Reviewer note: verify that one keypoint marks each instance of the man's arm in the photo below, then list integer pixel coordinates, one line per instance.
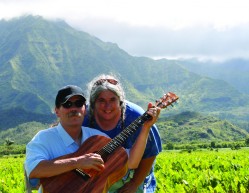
(48, 168)
(140, 174)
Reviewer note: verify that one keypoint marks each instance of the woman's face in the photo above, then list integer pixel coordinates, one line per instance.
(107, 107)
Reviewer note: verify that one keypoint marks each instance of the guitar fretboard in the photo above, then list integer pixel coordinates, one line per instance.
(124, 135)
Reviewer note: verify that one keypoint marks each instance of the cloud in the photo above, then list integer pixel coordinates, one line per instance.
(158, 28)
(203, 41)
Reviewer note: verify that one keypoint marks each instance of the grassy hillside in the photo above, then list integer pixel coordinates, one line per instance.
(23, 133)
(187, 127)
(192, 127)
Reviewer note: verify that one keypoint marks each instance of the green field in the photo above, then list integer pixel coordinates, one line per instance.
(11, 175)
(195, 172)
(203, 171)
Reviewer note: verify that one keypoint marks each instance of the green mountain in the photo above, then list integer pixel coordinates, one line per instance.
(234, 71)
(192, 127)
(39, 56)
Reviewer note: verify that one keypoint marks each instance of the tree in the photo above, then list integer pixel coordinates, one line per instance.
(247, 141)
(169, 146)
(8, 142)
(212, 144)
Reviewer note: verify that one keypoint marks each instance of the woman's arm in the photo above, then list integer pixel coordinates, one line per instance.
(138, 148)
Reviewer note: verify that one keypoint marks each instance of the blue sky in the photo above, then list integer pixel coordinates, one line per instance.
(204, 29)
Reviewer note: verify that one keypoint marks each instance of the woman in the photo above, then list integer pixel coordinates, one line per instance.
(110, 113)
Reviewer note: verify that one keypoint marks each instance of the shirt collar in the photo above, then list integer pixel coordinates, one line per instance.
(66, 138)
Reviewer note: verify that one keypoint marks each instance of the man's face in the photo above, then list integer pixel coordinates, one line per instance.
(72, 113)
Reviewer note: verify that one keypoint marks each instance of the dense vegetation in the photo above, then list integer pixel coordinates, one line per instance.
(192, 127)
(23, 133)
(199, 171)
(11, 174)
(203, 171)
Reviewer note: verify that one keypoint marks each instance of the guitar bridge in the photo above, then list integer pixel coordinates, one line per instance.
(82, 174)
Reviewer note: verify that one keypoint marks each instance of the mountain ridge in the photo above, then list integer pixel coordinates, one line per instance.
(39, 56)
(235, 73)
(194, 127)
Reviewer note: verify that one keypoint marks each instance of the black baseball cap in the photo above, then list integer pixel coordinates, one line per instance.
(66, 93)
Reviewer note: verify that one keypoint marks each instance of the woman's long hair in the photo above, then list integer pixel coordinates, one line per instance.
(102, 83)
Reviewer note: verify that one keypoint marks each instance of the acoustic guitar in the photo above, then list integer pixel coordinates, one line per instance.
(114, 156)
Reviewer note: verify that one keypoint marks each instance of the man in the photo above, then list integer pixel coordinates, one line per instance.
(66, 138)
(110, 113)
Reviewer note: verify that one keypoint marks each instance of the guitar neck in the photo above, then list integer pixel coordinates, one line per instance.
(124, 135)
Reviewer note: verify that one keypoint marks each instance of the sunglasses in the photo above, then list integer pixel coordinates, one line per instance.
(69, 104)
(101, 81)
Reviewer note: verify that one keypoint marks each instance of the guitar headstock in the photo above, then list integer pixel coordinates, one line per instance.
(166, 100)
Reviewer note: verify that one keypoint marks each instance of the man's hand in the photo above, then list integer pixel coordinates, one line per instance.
(91, 161)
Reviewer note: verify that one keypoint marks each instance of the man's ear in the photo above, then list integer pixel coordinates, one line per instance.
(56, 110)
(85, 113)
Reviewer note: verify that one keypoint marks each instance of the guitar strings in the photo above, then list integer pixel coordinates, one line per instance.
(120, 139)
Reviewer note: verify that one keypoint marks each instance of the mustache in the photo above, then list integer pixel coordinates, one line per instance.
(74, 114)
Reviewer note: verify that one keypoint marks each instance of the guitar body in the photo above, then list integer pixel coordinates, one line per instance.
(72, 182)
